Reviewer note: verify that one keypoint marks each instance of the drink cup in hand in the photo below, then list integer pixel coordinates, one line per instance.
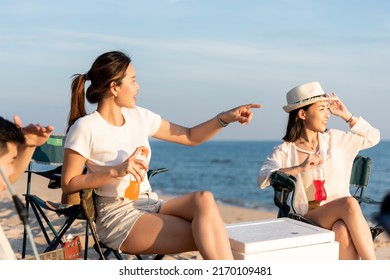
(319, 183)
(133, 190)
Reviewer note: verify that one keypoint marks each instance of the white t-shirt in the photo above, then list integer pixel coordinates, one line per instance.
(6, 252)
(104, 145)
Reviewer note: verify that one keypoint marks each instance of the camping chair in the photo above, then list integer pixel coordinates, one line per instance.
(284, 185)
(51, 154)
(87, 197)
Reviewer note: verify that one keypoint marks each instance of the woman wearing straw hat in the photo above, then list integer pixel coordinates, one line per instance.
(308, 144)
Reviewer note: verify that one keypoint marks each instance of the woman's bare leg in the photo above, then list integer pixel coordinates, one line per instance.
(347, 250)
(187, 223)
(208, 229)
(159, 234)
(348, 210)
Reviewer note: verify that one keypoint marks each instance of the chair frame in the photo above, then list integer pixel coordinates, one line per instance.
(40, 207)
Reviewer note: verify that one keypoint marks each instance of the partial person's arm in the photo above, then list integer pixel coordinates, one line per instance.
(35, 135)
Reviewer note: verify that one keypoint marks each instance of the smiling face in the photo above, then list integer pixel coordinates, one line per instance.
(6, 161)
(127, 91)
(316, 117)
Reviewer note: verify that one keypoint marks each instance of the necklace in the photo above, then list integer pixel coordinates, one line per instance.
(312, 146)
(305, 151)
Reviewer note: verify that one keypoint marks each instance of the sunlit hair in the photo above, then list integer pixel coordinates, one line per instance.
(108, 67)
(294, 125)
(9, 133)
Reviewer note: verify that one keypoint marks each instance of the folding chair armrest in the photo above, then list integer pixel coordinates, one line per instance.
(367, 200)
(283, 185)
(281, 180)
(153, 172)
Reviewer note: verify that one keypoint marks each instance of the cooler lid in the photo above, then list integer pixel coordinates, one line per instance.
(275, 234)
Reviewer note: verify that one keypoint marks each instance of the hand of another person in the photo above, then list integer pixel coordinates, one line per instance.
(242, 114)
(35, 134)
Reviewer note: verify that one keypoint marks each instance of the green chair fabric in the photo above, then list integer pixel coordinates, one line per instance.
(359, 179)
(52, 152)
(361, 171)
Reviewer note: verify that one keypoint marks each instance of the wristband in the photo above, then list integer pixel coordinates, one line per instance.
(221, 122)
(350, 119)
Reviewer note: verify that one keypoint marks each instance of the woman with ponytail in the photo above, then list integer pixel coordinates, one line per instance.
(108, 141)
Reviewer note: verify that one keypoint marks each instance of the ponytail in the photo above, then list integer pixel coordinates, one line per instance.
(77, 104)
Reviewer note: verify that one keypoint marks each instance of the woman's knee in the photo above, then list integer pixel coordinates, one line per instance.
(204, 198)
(351, 205)
(190, 205)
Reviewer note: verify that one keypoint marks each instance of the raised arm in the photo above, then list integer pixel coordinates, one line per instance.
(202, 132)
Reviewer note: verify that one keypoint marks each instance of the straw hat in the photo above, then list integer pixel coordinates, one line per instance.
(303, 95)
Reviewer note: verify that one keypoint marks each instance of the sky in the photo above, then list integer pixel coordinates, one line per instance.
(194, 59)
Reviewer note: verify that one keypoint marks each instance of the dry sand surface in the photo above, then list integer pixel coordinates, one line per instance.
(13, 228)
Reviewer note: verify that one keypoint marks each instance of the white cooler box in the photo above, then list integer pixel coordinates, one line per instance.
(281, 238)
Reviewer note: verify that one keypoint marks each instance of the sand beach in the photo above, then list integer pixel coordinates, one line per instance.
(13, 227)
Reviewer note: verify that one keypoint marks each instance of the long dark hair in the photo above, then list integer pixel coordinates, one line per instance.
(108, 67)
(294, 125)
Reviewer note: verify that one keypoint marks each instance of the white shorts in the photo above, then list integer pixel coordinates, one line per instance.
(116, 216)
